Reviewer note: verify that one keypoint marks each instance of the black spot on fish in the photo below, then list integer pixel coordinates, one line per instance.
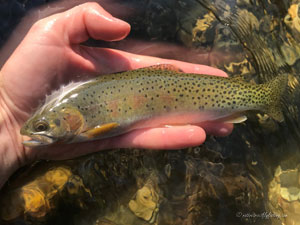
(57, 122)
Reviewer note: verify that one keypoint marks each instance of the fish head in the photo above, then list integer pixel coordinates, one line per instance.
(51, 127)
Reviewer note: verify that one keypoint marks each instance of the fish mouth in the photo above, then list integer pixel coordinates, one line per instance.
(38, 140)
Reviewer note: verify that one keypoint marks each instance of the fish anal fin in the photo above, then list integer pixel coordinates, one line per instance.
(235, 119)
(165, 67)
(99, 130)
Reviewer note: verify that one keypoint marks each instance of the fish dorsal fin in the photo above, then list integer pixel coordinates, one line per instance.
(164, 67)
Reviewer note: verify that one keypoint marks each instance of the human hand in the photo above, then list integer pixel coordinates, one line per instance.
(51, 55)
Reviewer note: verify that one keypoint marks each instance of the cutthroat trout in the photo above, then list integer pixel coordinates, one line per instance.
(110, 105)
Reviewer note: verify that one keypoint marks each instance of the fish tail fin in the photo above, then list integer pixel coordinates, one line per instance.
(277, 88)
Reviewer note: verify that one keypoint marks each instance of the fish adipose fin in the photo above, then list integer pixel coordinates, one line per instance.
(99, 130)
(239, 77)
(276, 89)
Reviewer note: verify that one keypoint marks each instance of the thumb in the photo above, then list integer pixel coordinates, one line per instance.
(84, 21)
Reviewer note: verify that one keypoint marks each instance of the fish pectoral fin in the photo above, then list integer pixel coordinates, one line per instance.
(235, 119)
(98, 130)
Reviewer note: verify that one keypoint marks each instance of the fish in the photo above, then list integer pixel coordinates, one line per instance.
(160, 95)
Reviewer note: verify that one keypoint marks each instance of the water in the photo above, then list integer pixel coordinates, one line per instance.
(249, 177)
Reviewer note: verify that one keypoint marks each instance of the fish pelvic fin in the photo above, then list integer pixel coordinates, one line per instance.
(277, 89)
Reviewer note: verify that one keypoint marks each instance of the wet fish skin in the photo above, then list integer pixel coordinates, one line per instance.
(113, 104)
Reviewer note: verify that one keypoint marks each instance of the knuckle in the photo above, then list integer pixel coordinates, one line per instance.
(90, 6)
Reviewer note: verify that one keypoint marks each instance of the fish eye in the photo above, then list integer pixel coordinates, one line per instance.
(40, 126)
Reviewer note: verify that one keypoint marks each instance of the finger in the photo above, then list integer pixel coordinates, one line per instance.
(217, 128)
(84, 21)
(103, 60)
(176, 137)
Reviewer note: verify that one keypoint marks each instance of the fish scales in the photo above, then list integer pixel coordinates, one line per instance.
(143, 95)
(134, 97)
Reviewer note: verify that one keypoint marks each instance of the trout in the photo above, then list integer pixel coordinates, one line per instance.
(114, 104)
